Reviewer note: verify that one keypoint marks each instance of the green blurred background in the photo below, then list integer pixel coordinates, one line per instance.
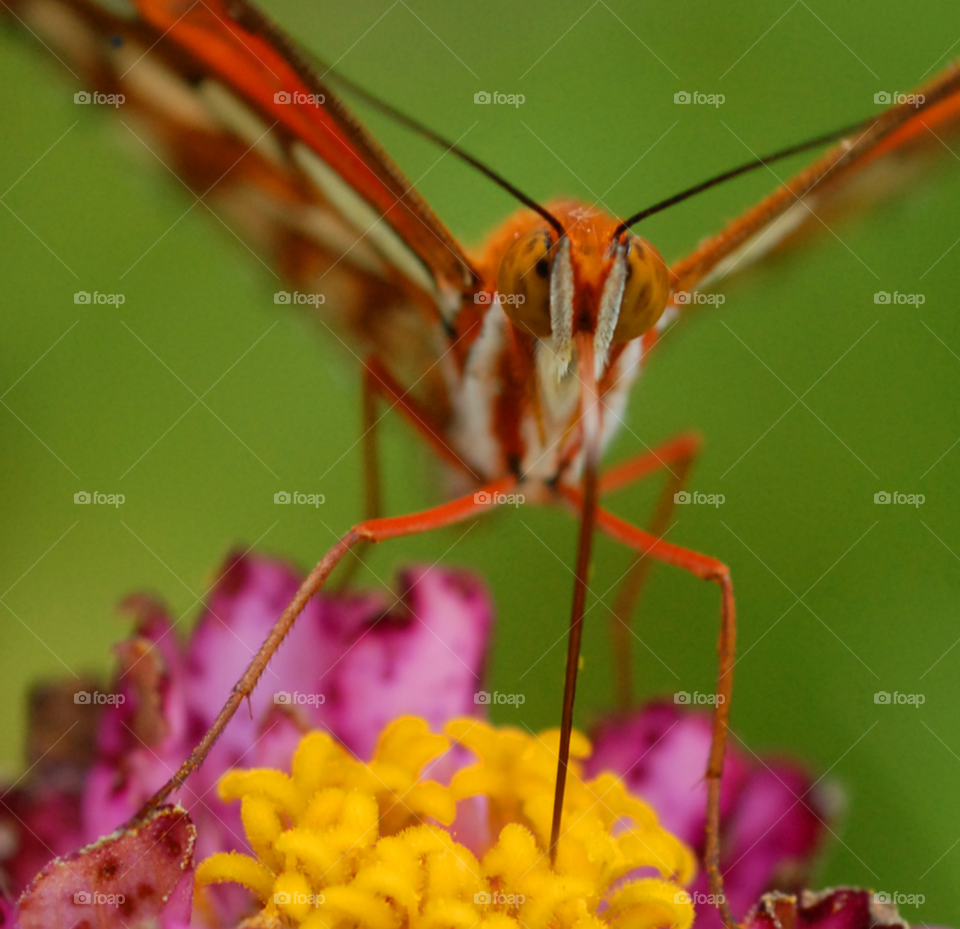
(880, 585)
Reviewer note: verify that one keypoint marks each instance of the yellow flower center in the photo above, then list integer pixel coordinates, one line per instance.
(341, 844)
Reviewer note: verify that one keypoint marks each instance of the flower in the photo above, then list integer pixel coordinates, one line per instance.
(772, 820)
(363, 658)
(369, 660)
(343, 843)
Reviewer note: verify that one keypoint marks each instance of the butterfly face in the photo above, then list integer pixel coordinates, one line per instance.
(591, 281)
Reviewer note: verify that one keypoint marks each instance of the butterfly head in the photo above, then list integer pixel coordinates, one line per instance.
(589, 282)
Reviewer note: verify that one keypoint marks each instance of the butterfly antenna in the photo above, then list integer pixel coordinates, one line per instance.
(745, 168)
(427, 133)
(308, 64)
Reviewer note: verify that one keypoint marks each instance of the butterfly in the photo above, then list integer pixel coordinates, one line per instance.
(513, 364)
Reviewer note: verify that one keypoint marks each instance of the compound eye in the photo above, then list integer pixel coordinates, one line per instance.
(646, 292)
(523, 282)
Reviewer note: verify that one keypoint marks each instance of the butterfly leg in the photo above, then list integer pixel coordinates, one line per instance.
(708, 569)
(374, 530)
(381, 382)
(677, 457)
(372, 486)
(378, 382)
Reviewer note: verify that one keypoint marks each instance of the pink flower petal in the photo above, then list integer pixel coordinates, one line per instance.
(662, 754)
(129, 879)
(426, 657)
(840, 908)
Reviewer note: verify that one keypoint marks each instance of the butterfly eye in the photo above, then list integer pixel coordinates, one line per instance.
(523, 282)
(645, 293)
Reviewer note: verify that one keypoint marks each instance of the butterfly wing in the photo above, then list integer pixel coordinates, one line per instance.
(227, 102)
(849, 176)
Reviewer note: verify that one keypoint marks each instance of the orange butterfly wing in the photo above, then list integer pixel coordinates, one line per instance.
(262, 66)
(840, 179)
(300, 183)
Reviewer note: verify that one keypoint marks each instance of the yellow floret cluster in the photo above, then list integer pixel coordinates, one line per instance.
(343, 844)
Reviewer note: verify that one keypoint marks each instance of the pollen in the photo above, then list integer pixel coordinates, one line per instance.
(343, 844)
